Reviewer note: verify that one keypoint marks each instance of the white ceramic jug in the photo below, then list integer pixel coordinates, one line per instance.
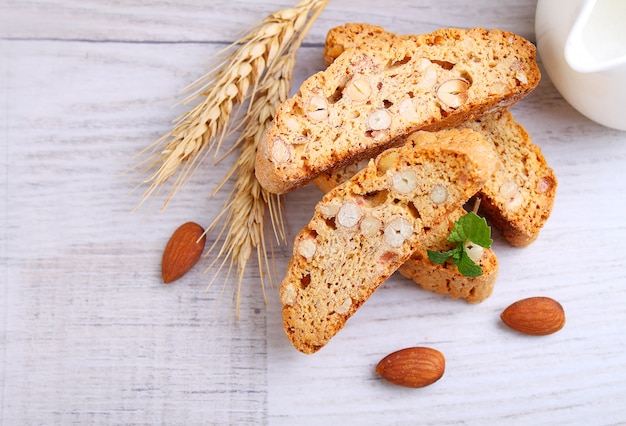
(582, 45)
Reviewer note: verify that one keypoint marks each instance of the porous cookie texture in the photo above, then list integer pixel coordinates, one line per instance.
(519, 197)
(440, 278)
(351, 35)
(365, 229)
(376, 93)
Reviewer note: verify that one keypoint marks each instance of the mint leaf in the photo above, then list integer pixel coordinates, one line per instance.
(467, 267)
(477, 230)
(469, 227)
(439, 257)
(457, 234)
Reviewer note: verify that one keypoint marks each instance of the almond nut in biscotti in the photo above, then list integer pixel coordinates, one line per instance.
(438, 194)
(387, 160)
(404, 181)
(280, 152)
(349, 215)
(359, 89)
(182, 252)
(453, 93)
(379, 119)
(537, 316)
(370, 226)
(510, 191)
(317, 108)
(398, 230)
(307, 247)
(413, 367)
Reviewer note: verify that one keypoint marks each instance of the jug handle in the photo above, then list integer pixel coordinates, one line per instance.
(576, 53)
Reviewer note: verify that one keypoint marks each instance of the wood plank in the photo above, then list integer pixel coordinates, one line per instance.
(192, 21)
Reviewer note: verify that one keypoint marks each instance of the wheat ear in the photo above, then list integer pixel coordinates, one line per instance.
(244, 223)
(231, 81)
(245, 211)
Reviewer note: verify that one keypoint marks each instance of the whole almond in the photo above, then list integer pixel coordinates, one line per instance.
(414, 367)
(182, 251)
(537, 316)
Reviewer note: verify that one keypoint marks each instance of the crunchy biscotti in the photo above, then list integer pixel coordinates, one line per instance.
(440, 278)
(446, 278)
(519, 197)
(375, 94)
(365, 229)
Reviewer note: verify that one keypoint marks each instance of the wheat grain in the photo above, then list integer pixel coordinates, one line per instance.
(249, 203)
(232, 80)
(257, 68)
(245, 212)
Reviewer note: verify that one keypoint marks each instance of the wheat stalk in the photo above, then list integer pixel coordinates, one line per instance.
(244, 212)
(231, 81)
(258, 68)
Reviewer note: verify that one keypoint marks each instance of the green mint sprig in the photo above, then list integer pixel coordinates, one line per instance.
(470, 229)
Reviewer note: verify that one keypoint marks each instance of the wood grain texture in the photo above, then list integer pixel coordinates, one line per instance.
(89, 334)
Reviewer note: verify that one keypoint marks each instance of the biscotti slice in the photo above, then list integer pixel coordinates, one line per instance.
(446, 278)
(363, 230)
(440, 278)
(519, 197)
(372, 96)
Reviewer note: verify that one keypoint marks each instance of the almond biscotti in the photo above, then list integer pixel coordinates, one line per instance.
(375, 94)
(365, 229)
(444, 278)
(519, 197)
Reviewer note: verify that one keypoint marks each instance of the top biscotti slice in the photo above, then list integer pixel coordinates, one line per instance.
(366, 228)
(372, 96)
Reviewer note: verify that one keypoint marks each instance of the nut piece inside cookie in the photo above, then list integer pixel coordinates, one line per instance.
(439, 194)
(521, 77)
(398, 230)
(344, 307)
(330, 209)
(453, 93)
(509, 190)
(545, 184)
(317, 108)
(429, 79)
(408, 110)
(359, 89)
(474, 251)
(379, 119)
(404, 181)
(370, 226)
(387, 160)
(307, 248)
(349, 215)
(280, 152)
(288, 295)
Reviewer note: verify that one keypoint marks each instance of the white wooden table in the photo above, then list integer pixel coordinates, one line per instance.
(90, 335)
